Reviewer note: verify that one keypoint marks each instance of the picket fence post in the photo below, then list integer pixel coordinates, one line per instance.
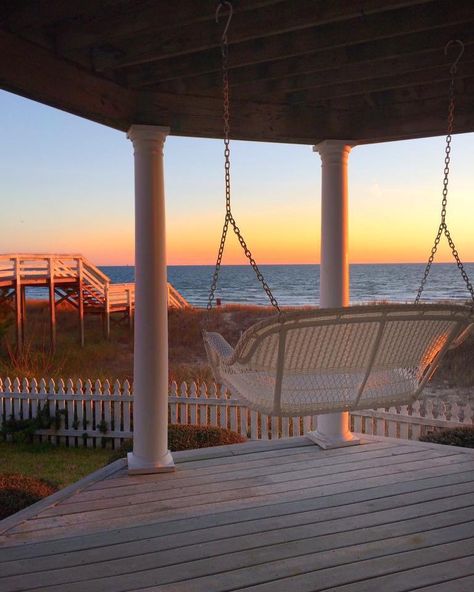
(93, 414)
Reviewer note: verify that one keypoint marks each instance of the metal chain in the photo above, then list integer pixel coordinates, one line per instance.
(229, 218)
(443, 228)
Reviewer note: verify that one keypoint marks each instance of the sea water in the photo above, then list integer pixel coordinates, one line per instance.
(298, 285)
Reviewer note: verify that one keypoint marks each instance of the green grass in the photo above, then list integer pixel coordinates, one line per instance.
(57, 465)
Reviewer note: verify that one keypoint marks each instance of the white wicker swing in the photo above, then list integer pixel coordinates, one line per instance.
(331, 360)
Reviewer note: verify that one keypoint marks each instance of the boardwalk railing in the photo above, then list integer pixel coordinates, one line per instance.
(70, 278)
(94, 414)
(30, 269)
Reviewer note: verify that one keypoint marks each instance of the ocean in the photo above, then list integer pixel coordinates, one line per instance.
(298, 285)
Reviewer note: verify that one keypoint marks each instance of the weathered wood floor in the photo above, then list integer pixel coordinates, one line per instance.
(385, 516)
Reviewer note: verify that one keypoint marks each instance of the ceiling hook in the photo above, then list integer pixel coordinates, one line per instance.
(461, 51)
(229, 18)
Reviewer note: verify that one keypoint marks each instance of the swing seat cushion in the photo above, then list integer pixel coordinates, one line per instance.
(329, 360)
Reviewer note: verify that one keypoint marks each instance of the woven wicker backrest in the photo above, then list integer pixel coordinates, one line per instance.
(345, 338)
(319, 361)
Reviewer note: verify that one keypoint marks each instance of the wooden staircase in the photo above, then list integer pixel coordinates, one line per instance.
(69, 278)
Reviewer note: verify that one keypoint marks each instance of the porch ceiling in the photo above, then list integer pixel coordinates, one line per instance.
(366, 70)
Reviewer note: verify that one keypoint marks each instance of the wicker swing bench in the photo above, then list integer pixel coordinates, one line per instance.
(333, 360)
(325, 361)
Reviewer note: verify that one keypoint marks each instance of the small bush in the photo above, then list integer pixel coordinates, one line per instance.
(453, 437)
(188, 437)
(23, 430)
(18, 492)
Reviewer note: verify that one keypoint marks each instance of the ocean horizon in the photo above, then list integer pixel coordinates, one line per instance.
(298, 284)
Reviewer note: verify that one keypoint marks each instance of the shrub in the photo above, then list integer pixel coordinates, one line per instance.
(23, 430)
(188, 437)
(452, 436)
(18, 492)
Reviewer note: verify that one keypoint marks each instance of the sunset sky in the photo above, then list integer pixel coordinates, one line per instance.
(67, 186)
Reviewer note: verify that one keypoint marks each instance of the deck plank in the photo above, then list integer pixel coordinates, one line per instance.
(205, 503)
(122, 486)
(363, 501)
(203, 545)
(389, 515)
(52, 527)
(459, 584)
(398, 578)
(330, 568)
(228, 463)
(207, 487)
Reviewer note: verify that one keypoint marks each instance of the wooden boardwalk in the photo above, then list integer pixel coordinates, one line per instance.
(69, 278)
(387, 516)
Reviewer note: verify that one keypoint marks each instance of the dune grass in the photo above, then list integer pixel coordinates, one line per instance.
(113, 359)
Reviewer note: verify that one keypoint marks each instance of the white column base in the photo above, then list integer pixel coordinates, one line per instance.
(140, 466)
(333, 431)
(327, 442)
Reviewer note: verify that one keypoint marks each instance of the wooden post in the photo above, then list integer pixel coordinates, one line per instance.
(23, 310)
(81, 302)
(52, 305)
(18, 305)
(130, 309)
(107, 311)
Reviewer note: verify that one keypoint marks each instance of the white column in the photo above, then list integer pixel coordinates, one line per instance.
(333, 428)
(150, 408)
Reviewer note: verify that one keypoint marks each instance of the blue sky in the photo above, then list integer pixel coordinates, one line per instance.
(67, 185)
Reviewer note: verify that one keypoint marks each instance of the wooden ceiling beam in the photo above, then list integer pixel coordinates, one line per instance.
(20, 16)
(34, 72)
(201, 117)
(350, 89)
(400, 96)
(348, 79)
(329, 37)
(401, 54)
(147, 17)
(287, 18)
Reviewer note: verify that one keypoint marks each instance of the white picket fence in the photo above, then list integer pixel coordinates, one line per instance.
(94, 414)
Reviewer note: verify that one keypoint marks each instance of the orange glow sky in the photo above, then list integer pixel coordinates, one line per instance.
(67, 186)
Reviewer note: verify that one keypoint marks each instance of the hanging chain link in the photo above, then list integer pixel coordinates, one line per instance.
(229, 218)
(443, 228)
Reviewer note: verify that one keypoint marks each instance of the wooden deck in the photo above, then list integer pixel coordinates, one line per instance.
(385, 516)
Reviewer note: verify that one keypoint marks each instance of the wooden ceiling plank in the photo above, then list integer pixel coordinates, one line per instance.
(405, 68)
(287, 18)
(304, 125)
(18, 16)
(35, 73)
(142, 18)
(350, 63)
(351, 89)
(399, 96)
(328, 37)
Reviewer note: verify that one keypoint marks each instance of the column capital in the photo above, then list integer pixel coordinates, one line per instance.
(334, 151)
(148, 137)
